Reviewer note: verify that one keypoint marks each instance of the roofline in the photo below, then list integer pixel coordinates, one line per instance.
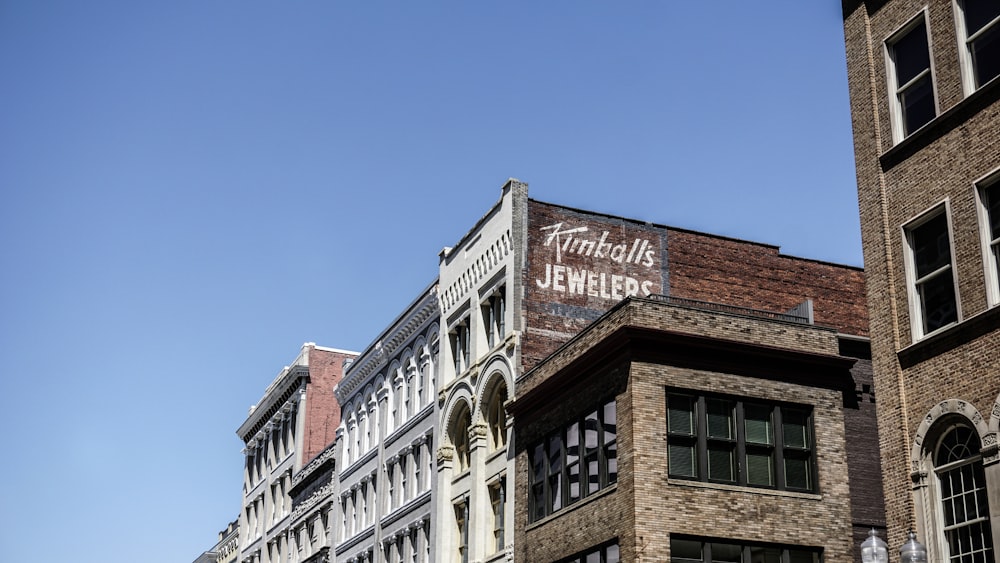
(700, 233)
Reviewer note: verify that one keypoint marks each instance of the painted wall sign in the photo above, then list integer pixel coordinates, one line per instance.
(596, 279)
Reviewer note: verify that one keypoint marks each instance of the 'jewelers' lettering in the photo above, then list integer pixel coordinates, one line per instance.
(574, 281)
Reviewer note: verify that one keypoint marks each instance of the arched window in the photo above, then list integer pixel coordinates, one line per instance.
(964, 512)
(460, 439)
(496, 417)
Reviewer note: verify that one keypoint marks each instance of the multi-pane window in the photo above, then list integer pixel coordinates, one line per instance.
(989, 197)
(462, 532)
(459, 337)
(498, 501)
(460, 439)
(728, 440)
(695, 550)
(496, 419)
(494, 311)
(911, 86)
(964, 509)
(608, 553)
(576, 461)
(932, 290)
(979, 27)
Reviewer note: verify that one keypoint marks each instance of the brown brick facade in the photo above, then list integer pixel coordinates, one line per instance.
(898, 181)
(638, 351)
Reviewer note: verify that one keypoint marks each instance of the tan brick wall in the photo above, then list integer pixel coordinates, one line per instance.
(938, 163)
(645, 507)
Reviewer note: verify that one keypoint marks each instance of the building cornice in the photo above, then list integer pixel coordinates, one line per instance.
(422, 311)
(278, 393)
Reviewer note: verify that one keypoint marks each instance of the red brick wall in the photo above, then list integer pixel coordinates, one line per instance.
(662, 260)
(758, 276)
(322, 410)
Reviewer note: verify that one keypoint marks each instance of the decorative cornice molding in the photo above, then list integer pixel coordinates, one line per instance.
(326, 455)
(421, 315)
(481, 267)
(323, 493)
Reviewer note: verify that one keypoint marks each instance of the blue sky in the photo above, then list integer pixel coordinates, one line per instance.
(190, 190)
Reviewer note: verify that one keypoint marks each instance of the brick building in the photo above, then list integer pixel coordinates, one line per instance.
(680, 430)
(531, 275)
(295, 420)
(926, 117)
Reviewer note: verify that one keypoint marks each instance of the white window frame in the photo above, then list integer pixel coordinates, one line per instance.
(461, 364)
(896, 114)
(990, 261)
(913, 294)
(964, 53)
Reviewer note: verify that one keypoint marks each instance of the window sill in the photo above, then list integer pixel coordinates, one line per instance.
(941, 125)
(575, 506)
(951, 337)
(742, 489)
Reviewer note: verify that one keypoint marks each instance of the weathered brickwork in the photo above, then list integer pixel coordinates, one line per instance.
(898, 181)
(646, 506)
(758, 276)
(326, 367)
(611, 256)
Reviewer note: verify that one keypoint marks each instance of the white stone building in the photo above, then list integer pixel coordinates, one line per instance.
(480, 281)
(293, 422)
(386, 442)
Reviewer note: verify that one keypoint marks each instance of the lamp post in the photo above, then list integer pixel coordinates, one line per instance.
(874, 550)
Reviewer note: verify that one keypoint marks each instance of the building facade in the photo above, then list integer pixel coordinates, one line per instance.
(314, 507)
(685, 431)
(531, 275)
(293, 422)
(925, 106)
(385, 442)
(226, 549)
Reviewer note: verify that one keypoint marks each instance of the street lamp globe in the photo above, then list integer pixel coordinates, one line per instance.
(874, 550)
(913, 551)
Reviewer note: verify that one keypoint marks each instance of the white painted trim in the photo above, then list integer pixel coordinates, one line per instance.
(989, 259)
(913, 298)
(896, 112)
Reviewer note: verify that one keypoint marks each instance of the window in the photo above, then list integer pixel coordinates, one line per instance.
(576, 461)
(989, 206)
(911, 86)
(727, 440)
(979, 30)
(460, 439)
(498, 500)
(462, 532)
(608, 553)
(931, 282)
(494, 311)
(694, 550)
(460, 346)
(965, 515)
(496, 418)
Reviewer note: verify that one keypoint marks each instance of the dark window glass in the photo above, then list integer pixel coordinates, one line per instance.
(934, 284)
(753, 444)
(914, 89)
(983, 32)
(726, 553)
(691, 550)
(570, 465)
(610, 429)
(573, 461)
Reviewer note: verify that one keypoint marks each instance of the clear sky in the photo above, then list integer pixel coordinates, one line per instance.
(190, 190)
